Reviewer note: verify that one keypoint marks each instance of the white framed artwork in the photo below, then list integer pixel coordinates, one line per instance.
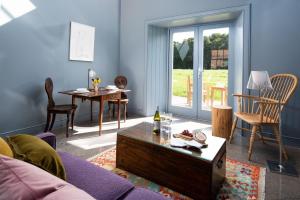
(82, 39)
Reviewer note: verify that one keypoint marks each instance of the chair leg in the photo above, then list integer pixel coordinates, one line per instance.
(233, 128)
(125, 111)
(114, 107)
(252, 138)
(278, 139)
(261, 136)
(48, 122)
(52, 121)
(72, 119)
(67, 125)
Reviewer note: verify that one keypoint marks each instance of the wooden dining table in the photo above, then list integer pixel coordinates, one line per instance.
(223, 91)
(101, 96)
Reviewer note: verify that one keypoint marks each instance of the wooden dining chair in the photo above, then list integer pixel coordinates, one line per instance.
(265, 110)
(121, 83)
(53, 109)
(189, 90)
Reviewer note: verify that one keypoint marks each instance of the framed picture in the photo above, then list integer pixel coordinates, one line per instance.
(82, 39)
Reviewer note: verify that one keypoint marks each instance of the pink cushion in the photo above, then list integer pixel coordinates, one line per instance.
(21, 180)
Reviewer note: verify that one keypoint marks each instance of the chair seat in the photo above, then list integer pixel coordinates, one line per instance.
(254, 118)
(121, 101)
(63, 108)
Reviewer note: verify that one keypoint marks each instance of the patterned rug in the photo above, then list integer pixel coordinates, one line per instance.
(243, 181)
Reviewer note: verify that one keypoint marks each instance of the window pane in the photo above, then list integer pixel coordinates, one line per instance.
(215, 65)
(182, 71)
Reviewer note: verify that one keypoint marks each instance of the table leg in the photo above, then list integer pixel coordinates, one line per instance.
(101, 105)
(91, 110)
(119, 113)
(73, 113)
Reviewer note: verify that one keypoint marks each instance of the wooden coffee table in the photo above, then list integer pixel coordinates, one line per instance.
(197, 175)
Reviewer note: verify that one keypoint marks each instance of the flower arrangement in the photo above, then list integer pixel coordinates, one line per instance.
(96, 81)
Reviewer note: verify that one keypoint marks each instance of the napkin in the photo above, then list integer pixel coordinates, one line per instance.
(111, 87)
(82, 90)
(178, 142)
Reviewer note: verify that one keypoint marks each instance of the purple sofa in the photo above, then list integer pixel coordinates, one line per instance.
(98, 182)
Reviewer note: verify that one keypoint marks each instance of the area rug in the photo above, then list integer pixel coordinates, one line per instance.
(243, 181)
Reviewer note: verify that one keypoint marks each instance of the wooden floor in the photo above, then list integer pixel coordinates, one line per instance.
(86, 143)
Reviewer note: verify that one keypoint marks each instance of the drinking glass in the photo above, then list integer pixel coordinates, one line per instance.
(166, 122)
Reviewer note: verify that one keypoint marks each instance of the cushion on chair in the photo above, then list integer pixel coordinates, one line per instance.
(121, 101)
(96, 181)
(37, 152)
(23, 181)
(5, 149)
(254, 118)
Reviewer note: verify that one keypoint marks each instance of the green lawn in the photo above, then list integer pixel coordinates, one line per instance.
(211, 78)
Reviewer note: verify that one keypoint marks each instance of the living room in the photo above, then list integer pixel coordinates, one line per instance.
(185, 57)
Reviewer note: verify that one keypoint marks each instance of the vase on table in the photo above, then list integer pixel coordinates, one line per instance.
(96, 87)
(96, 81)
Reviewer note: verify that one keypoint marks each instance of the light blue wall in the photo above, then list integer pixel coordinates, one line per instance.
(275, 47)
(275, 42)
(36, 45)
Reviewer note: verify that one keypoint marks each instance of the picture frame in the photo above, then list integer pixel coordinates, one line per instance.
(82, 40)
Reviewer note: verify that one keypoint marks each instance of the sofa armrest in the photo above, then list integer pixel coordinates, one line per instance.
(48, 137)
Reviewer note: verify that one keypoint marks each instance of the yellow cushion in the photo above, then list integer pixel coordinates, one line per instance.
(34, 150)
(5, 149)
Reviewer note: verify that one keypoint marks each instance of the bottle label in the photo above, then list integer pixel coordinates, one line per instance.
(156, 124)
(156, 128)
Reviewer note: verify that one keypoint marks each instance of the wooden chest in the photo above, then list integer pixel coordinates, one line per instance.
(194, 174)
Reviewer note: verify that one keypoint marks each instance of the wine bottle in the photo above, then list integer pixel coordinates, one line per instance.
(156, 119)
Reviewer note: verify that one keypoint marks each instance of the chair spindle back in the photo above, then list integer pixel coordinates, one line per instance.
(284, 85)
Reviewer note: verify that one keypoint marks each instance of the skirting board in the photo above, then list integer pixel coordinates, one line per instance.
(58, 124)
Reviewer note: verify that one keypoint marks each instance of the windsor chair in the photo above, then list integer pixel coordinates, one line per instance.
(265, 110)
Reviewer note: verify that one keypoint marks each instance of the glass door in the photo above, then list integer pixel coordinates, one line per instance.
(198, 70)
(182, 71)
(213, 68)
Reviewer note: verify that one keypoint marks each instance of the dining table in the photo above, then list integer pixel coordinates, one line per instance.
(223, 91)
(101, 95)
